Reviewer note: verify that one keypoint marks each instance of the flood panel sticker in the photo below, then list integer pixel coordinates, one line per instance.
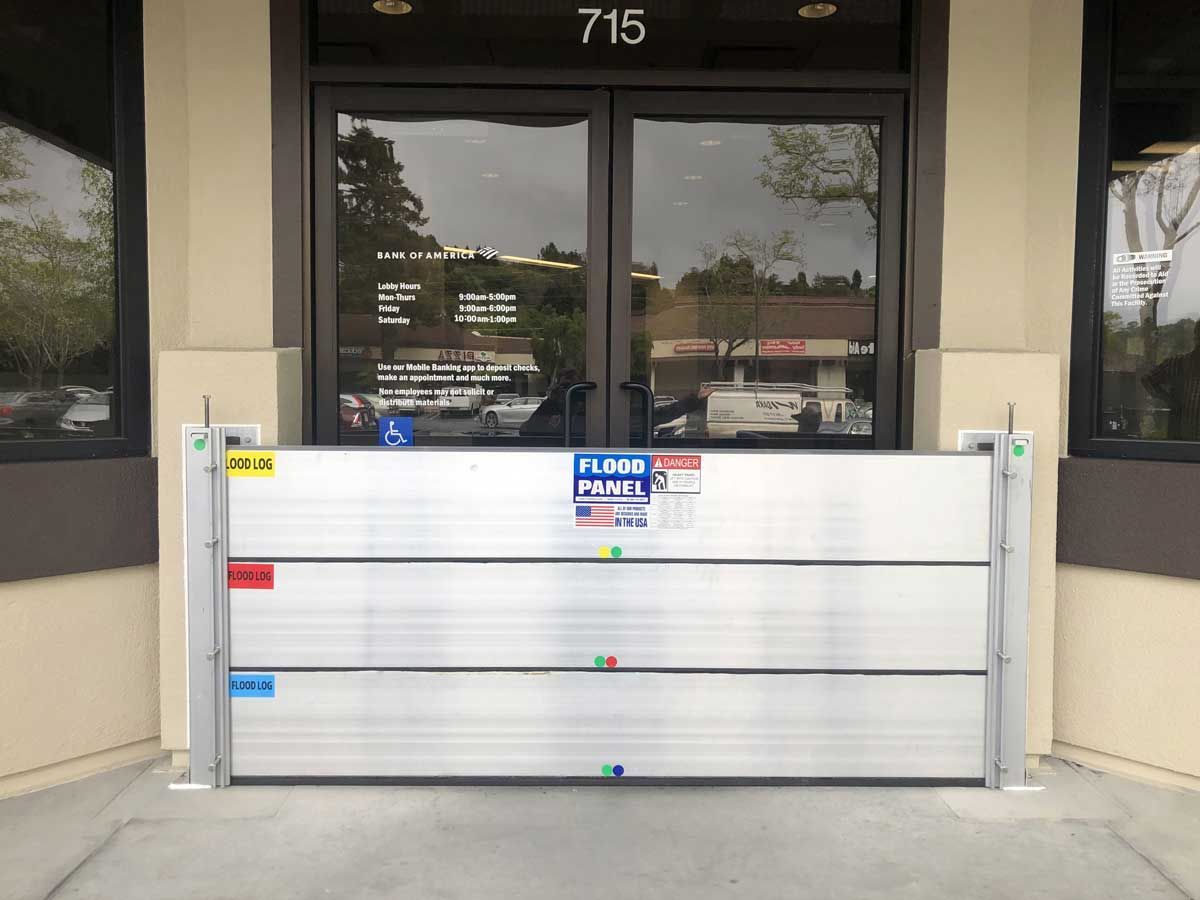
(636, 490)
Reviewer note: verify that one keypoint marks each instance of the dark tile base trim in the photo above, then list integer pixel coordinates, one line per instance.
(73, 516)
(1129, 514)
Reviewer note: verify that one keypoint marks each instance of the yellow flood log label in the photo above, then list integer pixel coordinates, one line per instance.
(250, 463)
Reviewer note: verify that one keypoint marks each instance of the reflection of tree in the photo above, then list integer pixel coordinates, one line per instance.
(1173, 186)
(722, 318)
(818, 167)
(376, 211)
(57, 291)
(763, 256)
(558, 340)
(731, 285)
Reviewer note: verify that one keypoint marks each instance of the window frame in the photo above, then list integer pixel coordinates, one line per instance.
(1091, 229)
(132, 340)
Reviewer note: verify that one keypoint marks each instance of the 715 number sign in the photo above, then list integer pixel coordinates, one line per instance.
(630, 31)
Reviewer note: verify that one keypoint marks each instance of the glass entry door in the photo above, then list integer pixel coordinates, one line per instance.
(762, 308)
(458, 292)
(606, 268)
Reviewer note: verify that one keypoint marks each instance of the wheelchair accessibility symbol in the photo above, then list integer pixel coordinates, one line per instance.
(395, 431)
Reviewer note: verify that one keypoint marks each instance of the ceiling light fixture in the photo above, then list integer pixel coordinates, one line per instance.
(392, 7)
(1171, 148)
(817, 10)
(693, 177)
(711, 142)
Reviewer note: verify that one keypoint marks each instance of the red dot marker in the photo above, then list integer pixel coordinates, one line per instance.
(611, 662)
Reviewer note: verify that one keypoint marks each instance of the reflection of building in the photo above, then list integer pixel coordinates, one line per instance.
(826, 341)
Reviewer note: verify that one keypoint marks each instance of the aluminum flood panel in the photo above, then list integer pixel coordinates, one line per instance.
(573, 724)
(510, 505)
(650, 615)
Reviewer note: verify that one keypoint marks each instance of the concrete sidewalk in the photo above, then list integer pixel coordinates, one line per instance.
(125, 835)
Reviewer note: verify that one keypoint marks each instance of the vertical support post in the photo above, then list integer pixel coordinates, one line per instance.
(1008, 609)
(206, 539)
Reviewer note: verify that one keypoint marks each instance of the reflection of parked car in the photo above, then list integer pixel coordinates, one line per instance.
(511, 413)
(35, 414)
(356, 413)
(503, 398)
(91, 414)
(855, 425)
(389, 406)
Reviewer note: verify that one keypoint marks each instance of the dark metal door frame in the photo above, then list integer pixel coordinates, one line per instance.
(611, 116)
(329, 101)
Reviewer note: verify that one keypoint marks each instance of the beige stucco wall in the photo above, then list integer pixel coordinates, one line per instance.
(78, 675)
(208, 160)
(1127, 679)
(1008, 257)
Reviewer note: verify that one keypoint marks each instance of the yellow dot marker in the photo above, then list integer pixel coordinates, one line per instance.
(605, 552)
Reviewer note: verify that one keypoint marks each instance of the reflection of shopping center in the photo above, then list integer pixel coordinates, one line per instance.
(823, 341)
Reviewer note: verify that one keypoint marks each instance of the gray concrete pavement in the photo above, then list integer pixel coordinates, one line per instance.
(125, 835)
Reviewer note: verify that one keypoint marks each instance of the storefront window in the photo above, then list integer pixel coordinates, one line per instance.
(58, 283)
(1149, 387)
(776, 35)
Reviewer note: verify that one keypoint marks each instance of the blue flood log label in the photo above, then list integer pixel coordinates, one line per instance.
(251, 684)
(612, 477)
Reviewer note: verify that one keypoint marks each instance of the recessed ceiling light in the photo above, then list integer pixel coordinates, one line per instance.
(489, 174)
(693, 177)
(817, 10)
(392, 7)
(680, 203)
(711, 142)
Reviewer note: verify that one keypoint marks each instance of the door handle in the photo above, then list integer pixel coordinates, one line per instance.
(577, 386)
(649, 396)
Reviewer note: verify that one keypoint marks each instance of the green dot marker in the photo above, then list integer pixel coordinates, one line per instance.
(606, 771)
(199, 443)
(616, 552)
(599, 661)
(1019, 450)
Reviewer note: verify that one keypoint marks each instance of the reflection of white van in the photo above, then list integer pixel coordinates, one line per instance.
(753, 406)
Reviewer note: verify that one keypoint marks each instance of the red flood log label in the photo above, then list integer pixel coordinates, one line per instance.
(252, 576)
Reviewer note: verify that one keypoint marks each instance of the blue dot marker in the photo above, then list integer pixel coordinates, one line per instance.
(618, 771)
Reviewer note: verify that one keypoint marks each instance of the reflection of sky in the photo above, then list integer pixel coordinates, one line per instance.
(727, 197)
(517, 188)
(1183, 284)
(55, 175)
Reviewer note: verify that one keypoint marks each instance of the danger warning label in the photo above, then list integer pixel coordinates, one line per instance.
(675, 473)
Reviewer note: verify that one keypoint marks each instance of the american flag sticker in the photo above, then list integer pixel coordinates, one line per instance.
(595, 516)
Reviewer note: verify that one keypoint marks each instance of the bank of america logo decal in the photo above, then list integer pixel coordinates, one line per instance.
(488, 252)
(595, 516)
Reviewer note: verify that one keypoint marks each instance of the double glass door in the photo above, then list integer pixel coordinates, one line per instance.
(607, 268)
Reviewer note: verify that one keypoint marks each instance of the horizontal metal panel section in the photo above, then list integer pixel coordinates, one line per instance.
(472, 503)
(555, 615)
(572, 724)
